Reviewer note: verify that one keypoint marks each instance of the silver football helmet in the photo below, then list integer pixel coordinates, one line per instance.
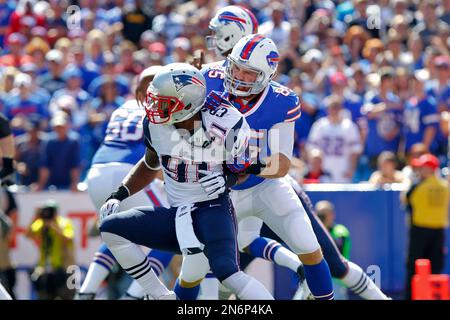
(177, 92)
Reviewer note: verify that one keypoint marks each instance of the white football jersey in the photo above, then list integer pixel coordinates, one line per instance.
(221, 136)
(337, 142)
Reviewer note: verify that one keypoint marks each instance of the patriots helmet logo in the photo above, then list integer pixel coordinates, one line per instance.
(272, 59)
(229, 17)
(182, 80)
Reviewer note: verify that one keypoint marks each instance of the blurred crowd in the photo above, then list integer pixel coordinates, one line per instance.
(373, 77)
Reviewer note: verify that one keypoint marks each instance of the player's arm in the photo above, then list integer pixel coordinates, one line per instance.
(281, 141)
(143, 173)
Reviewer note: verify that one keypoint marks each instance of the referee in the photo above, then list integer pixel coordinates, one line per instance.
(7, 148)
(427, 201)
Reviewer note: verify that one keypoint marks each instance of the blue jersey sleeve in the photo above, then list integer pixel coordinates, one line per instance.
(289, 103)
(214, 77)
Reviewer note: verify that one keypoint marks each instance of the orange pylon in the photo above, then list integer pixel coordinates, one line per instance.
(427, 286)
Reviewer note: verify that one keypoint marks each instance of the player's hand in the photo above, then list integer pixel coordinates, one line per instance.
(213, 100)
(109, 207)
(214, 183)
(199, 59)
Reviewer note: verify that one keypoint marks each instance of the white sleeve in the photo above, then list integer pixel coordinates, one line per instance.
(281, 138)
(354, 140)
(314, 137)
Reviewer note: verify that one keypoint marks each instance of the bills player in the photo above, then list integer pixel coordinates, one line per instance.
(189, 138)
(121, 149)
(271, 111)
(348, 272)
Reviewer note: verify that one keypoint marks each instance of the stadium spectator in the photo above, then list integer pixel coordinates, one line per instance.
(427, 202)
(29, 148)
(315, 172)
(89, 70)
(24, 103)
(16, 56)
(24, 16)
(60, 158)
(445, 15)
(37, 49)
(416, 151)
(6, 9)
(135, 22)
(387, 170)
(8, 217)
(384, 114)
(361, 18)
(168, 22)
(277, 28)
(52, 80)
(421, 119)
(428, 26)
(54, 236)
(339, 140)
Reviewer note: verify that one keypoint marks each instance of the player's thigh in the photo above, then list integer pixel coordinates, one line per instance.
(284, 213)
(244, 202)
(249, 229)
(153, 228)
(216, 227)
(102, 180)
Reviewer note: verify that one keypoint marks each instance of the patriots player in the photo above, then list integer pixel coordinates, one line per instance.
(121, 149)
(348, 272)
(189, 138)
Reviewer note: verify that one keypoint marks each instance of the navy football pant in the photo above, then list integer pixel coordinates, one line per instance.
(337, 263)
(215, 226)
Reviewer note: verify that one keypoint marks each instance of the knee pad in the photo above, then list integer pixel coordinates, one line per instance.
(193, 269)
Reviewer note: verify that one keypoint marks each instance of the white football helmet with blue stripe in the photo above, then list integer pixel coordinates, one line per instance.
(254, 53)
(229, 25)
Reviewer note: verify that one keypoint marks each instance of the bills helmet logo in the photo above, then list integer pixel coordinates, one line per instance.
(229, 17)
(272, 59)
(182, 80)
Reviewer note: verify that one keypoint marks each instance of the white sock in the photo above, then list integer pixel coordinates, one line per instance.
(95, 276)
(135, 290)
(4, 295)
(286, 258)
(135, 262)
(358, 281)
(246, 287)
(209, 289)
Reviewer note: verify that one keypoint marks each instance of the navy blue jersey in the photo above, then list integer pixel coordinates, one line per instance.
(124, 136)
(275, 104)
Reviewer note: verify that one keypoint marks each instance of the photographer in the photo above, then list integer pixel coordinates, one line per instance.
(54, 235)
(8, 214)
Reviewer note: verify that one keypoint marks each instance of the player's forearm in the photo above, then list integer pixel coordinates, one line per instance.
(277, 167)
(139, 177)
